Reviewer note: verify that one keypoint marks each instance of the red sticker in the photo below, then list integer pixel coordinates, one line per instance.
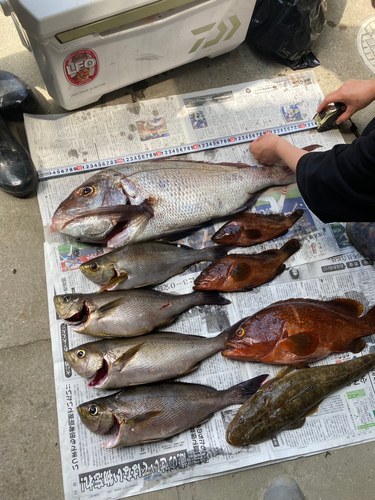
(81, 67)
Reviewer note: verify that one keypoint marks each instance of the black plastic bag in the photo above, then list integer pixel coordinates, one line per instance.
(287, 29)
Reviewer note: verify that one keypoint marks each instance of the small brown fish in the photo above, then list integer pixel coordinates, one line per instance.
(285, 401)
(154, 412)
(250, 229)
(237, 272)
(300, 331)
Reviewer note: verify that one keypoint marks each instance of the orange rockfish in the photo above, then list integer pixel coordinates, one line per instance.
(300, 331)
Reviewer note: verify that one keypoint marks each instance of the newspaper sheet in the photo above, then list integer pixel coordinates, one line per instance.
(326, 267)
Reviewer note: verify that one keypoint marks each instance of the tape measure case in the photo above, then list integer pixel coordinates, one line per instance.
(87, 48)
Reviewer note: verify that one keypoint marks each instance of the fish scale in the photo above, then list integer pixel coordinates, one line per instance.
(163, 199)
(284, 402)
(231, 191)
(300, 331)
(157, 411)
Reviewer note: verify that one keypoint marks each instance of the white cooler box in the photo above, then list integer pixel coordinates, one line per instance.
(86, 48)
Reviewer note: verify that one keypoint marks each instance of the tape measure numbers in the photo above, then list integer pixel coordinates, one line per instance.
(173, 151)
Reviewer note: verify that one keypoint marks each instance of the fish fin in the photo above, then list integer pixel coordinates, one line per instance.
(108, 307)
(212, 298)
(241, 272)
(114, 281)
(252, 234)
(143, 420)
(284, 371)
(290, 247)
(192, 369)
(301, 366)
(237, 165)
(214, 253)
(300, 344)
(135, 226)
(312, 411)
(357, 345)
(296, 425)
(124, 359)
(280, 270)
(130, 189)
(271, 251)
(349, 307)
(276, 217)
(312, 147)
(293, 217)
(244, 390)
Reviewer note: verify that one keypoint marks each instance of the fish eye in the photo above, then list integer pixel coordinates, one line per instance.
(66, 298)
(93, 410)
(241, 420)
(94, 266)
(81, 353)
(87, 191)
(240, 332)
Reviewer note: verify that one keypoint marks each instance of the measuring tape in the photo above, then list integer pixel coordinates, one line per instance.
(194, 147)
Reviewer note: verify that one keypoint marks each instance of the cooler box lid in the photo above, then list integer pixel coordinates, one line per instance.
(72, 19)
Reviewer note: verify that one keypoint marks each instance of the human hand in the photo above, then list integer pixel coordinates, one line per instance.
(264, 149)
(270, 149)
(355, 94)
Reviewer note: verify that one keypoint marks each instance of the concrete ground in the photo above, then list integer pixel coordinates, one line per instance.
(30, 465)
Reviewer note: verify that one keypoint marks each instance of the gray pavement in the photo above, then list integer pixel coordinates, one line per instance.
(30, 466)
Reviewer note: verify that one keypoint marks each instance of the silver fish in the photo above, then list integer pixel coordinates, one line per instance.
(118, 363)
(285, 401)
(127, 313)
(157, 411)
(120, 208)
(146, 263)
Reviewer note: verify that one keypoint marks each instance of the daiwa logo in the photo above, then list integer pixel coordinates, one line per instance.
(222, 27)
(81, 67)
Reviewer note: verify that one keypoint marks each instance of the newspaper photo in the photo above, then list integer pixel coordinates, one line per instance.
(326, 267)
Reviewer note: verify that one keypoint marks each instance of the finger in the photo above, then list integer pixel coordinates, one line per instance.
(345, 116)
(330, 98)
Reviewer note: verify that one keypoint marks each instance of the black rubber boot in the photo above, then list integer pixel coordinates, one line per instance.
(18, 176)
(16, 97)
(283, 488)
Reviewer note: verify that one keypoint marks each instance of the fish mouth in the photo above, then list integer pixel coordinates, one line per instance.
(113, 282)
(116, 427)
(81, 317)
(100, 377)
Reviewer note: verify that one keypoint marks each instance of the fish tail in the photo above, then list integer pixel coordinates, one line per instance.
(216, 252)
(293, 217)
(244, 390)
(290, 247)
(211, 298)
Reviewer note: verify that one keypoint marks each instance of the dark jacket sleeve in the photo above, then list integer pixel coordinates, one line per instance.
(339, 185)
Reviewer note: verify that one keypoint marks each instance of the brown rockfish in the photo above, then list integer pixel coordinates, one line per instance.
(157, 411)
(154, 199)
(249, 229)
(300, 331)
(285, 401)
(237, 272)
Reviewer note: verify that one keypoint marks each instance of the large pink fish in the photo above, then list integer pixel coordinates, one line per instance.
(149, 200)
